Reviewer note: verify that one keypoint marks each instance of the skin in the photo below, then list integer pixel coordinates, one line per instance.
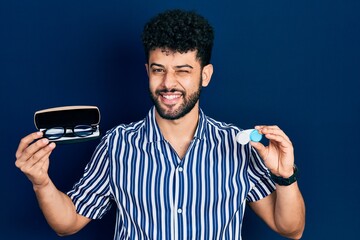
(181, 73)
(57, 207)
(283, 210)
(174, 79)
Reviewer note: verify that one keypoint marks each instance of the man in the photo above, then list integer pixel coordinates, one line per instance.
(177, 173)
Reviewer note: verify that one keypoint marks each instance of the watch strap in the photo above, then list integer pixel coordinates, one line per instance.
(285, 181)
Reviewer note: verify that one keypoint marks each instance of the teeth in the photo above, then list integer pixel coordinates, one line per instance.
(170, 97)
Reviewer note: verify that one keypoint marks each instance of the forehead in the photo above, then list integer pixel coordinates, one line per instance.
(169, 57)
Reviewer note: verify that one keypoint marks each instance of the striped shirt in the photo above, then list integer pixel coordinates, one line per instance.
(160, 196)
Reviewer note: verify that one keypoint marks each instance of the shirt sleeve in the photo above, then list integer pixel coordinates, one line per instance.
(91, 194)
(261, 183)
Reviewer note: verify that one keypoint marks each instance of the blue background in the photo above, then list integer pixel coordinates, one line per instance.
(290, 63)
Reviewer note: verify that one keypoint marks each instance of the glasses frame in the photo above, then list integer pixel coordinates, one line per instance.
(73, 132)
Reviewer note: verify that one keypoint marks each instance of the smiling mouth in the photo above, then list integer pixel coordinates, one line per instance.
(170, 97)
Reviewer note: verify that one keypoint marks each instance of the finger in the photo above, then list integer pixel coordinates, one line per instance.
(27, 155)
(24, 142)
(275, 130)
(43, 154)
(25, 152)
(267, 128)
(37, 160)
(260, 148)
(263, 129)
(284, 142)
(41, 164)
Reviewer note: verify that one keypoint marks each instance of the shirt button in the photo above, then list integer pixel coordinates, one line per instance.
(181, 169)
(179, 210)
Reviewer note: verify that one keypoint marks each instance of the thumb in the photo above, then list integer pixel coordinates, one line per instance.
(260, 148)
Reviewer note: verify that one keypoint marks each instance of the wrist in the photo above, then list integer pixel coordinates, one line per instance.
(40, 186)
(284, 173)
(285, 181)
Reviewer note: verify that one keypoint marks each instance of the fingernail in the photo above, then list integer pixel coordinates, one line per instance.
(52, 145)
(45, 140)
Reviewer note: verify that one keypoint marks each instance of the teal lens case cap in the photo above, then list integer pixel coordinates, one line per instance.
(255, 136)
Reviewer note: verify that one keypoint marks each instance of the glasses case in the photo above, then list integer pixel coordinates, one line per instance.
(69, 118)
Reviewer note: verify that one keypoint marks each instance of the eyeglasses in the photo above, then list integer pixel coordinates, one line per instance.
(78, 131)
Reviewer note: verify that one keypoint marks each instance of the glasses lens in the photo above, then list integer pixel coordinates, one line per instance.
(54, 133)
(83, 130)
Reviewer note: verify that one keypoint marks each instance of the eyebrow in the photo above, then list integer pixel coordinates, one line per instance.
(184, 66)
(177, 67)
(156, 64)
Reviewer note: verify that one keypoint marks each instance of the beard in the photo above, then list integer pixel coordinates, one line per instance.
(187, 105)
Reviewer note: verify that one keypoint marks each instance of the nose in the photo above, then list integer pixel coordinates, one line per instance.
(169, 80)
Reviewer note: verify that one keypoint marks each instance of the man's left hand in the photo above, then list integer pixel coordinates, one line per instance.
(278, 156)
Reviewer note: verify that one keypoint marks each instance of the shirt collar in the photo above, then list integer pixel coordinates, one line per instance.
(154, 134)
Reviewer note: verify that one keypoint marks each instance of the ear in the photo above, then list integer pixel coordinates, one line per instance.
(207, 72)
(147, 69)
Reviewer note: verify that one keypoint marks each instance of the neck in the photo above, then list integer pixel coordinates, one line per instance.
(182, 129)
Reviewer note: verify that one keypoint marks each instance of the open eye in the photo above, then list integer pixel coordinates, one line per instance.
(158, 70)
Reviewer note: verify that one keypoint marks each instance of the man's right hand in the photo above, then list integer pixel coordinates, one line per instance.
(32, 158)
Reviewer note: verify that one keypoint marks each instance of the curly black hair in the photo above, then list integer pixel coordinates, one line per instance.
(180, 31)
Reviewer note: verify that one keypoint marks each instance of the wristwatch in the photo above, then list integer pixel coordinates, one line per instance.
(285, 181)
